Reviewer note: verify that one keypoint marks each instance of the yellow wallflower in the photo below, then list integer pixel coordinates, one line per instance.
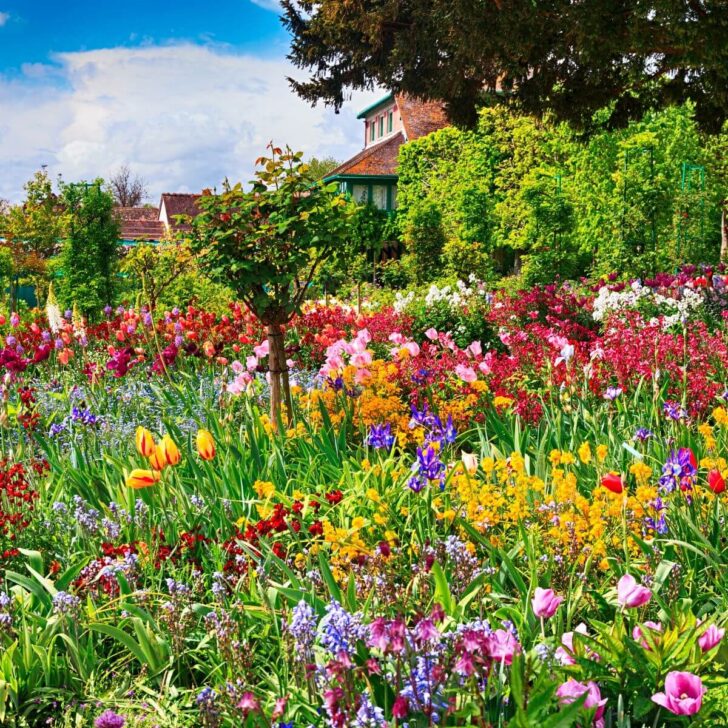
(264, 489)
(585, 453)
(602, 451)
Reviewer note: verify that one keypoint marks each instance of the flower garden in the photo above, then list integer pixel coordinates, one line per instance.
(485, 509)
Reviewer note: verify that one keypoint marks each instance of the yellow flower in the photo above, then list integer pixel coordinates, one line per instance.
(205, 445)
(602, 451)
(585, 454)
(358, 523)
(555, 458)
(264, 489)
(373, 495)
(379, 519)
(144, 442)
(501, 401)
(298, 495)
(720, 415)
(142, 478)
(169, 451)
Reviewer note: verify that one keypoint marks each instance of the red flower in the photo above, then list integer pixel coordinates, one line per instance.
(716, 482)
(334, 497)
(613, 482)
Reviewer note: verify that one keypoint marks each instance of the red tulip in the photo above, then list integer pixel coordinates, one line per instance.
(613, 482)
(716, 482)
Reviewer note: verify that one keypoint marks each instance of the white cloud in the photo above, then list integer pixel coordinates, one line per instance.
(273, 5)
(182, 116)
(4, 17)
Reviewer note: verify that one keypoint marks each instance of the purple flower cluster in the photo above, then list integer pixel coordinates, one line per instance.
(380, 437)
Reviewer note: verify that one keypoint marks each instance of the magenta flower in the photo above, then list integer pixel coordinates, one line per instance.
(683, 693)
(572, 690)
(565, 653)
(639, 636)
(502, 645)
(630, 593)
(710, 638)
(545, 602)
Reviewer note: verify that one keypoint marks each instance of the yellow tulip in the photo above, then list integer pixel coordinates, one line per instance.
(171, 451)
(142, 478)
(157, 459)
(205, 445)
(145, 442)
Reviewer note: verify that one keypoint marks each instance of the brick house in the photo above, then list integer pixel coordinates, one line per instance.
(153, 224)
(371, 175)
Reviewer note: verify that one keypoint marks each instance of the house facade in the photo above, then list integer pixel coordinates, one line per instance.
(371, 175)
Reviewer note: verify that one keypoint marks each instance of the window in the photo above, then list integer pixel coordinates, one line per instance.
(394, 197)
(390, 122)
(379, 196)
(371, 131)
(360, 193)
(381, 125)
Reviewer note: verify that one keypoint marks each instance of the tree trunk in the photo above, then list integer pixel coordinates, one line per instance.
(723, 233)
(280, 389)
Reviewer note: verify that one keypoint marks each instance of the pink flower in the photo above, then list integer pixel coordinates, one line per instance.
(639, 636)
(261, 350)
(683, 693)
(502, 645)
(465, 373)
(630, 593)
(545, 602)
(572, 690)
(566, 656)
(431, 334)
(248, 703)
(710, 638)
(475, 349)
(251, 363)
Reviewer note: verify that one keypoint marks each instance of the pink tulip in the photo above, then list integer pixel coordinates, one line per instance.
(565, 654)
(710, 638)
(545, 602)
(431, 334)
(261, 350)
(683, 693)
(630, 593)
(639, 636)
(502, 645)
(572, 690)
(466, 373)
(475, 349)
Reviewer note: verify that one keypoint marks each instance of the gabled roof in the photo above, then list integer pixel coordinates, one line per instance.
(140, 223)
(179, 203)
(372, 107)
(421, 118)
(376, 159)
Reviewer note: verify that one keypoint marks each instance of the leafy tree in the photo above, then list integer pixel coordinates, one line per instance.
(34, 230)
(319, 168)
(267, 243)
(158, 267)
(91, 247)
(424, 240)
(128, 190)
(573, 58)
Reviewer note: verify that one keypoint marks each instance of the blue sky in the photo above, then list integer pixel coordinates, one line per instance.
(186, 93)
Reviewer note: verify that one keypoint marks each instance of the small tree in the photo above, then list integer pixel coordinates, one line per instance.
(158, 267)
(91, 247)
(319, 168)
(128, 190)
(267, 242)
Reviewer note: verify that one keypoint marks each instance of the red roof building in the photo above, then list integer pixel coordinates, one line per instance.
(371, 175)
(153, 224)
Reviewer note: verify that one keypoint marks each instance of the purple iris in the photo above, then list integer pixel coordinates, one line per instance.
(381, 437)
(612, 393)
(674, 411)
(658, 525)
(678, 471)
(642, 434)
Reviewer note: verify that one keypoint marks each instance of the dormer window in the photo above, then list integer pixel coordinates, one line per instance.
(390, 122)
(381, 126)
(371, 131)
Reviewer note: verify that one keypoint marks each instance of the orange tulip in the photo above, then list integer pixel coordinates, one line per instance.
(145, 442)
(142, 478)
(157, 460)
(171, 451)
(205, 445)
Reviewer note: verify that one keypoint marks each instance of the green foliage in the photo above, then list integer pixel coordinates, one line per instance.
(424, 240)
(532, 196)
(91, 247)
(319, 168)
